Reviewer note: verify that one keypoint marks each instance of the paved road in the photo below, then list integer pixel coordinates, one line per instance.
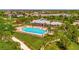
(22, 45)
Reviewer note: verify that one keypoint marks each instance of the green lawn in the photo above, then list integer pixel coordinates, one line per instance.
(32, 41)
(10, 45)
(53, 46)
(73, 46)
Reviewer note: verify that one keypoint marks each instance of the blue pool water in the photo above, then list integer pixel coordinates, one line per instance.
(34, 30)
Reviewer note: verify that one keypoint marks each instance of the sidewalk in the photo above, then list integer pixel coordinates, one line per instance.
(22, 45)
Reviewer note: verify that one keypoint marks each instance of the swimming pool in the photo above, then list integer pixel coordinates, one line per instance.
(37, 31)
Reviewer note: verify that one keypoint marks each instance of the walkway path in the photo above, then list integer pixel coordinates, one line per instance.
(22, 45)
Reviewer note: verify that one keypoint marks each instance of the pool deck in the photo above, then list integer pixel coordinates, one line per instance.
(19, 29)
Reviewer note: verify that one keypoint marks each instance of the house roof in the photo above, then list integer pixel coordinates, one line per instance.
(56, 23)
(45, 21)
(42, 21)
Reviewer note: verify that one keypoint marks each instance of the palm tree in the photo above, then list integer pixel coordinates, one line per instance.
(6, 29)
(67, 35)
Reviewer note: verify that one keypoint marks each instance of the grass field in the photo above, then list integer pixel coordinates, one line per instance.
(10, 45)
(32, 41)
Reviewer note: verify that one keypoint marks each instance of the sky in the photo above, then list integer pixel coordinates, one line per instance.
(39, 4)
